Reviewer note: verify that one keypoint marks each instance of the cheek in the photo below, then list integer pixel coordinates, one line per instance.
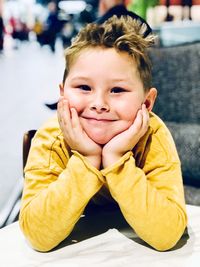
(74, 100)
(128, 111)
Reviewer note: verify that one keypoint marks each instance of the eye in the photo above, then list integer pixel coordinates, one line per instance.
(117, 90)
(84, 87)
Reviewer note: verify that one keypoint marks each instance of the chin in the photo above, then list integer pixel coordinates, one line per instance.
(100, 139)
(100, 142)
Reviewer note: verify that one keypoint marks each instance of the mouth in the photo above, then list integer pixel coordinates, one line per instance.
(98, 120)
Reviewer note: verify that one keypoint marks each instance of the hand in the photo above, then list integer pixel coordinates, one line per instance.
(75, 136)
(126, 140)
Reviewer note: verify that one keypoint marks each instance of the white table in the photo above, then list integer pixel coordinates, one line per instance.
(106, 249)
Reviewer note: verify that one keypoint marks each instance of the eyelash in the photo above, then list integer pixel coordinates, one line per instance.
(84, 87)
(114, 90)
(118, 90)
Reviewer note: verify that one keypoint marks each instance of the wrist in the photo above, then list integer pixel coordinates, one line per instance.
(110, 158)
(94, 161)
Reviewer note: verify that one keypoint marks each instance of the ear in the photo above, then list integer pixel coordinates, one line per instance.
(150, 98)
(61, 89)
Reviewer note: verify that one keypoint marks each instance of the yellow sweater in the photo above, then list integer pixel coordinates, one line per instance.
(146, 183)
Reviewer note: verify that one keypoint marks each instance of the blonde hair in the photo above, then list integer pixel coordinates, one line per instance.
(125, 34)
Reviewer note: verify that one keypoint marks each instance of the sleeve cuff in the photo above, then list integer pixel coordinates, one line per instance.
(117, 164)
(89, 166)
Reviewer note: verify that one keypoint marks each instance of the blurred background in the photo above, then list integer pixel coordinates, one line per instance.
(33, 36)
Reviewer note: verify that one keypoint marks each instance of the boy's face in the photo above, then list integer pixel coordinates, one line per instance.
(104, 86)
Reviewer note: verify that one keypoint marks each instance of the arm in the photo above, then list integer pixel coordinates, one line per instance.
(151, 196)
(57, 188)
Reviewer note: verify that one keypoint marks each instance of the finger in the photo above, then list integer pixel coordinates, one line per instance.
(136, 126)
(75, 121)
(60, 102)
(145, 115)
(59, 109)
(66, 113)
(135, 129)
(65, 118)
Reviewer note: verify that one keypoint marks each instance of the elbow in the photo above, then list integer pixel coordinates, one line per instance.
(39, 238)
(169, 237)
(165, 244)
(164, 234)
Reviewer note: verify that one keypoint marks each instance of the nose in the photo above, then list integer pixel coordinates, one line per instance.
(99, 104)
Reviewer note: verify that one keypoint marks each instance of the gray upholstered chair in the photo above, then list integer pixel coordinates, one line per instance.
(176, 74)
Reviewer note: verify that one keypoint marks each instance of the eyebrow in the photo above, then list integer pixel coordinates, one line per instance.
(119, 80)
(80, 78)
(87, 78)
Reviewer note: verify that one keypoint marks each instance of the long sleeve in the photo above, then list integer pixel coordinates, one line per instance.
(151, 196)
(57, 188)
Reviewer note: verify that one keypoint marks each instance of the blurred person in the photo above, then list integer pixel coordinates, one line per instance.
(87, 15)
(68, 30)
(186, 14)
(105, 147)
(52, 27)
(1, 33)
(12, 23)
(106, 9)
(38, 28)
(169, 17)
(20, 31)
(188, 4)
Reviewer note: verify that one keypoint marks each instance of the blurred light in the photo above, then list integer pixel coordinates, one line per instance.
(72, 7)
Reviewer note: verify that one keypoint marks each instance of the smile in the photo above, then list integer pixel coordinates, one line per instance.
(98, 120)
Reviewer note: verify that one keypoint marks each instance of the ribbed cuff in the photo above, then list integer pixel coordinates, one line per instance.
(89, 165)
(117, 164)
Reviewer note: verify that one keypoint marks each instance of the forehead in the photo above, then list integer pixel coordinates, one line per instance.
(104, 58)
(96, 50)
(104, 66)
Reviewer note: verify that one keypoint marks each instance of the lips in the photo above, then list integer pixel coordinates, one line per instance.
(98, 119)
(94, 121)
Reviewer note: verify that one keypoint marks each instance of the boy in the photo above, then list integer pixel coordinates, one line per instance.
(106, 144)
(107, 9)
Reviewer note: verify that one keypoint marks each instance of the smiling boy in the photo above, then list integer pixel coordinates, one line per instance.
(106, 142)
(99, 98)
